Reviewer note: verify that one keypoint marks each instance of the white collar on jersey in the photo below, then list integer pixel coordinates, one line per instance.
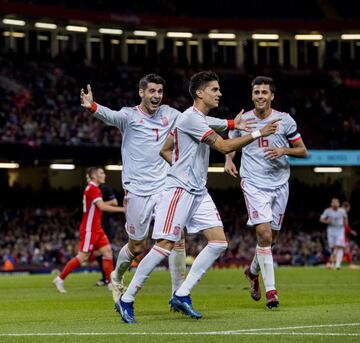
(198, 111)
(93, 183)
(147, 114)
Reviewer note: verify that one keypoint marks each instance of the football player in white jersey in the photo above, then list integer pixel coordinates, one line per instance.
(264, 176)
(144, 129)
(185, 201)
(336, 218)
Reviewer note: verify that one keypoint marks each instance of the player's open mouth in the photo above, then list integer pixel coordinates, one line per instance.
(154, 102)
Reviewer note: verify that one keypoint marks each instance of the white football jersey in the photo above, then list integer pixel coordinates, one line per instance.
(190, 156)
(255, 168)
(144, 170)
(336, 218)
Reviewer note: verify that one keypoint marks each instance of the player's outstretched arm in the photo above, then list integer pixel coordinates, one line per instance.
(112, 202)
(109, 208)
(167, 149)
(298, 149)
(230, 167)
(230, 145)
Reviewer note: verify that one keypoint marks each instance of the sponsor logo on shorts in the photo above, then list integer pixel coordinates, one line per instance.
(177, 229)
(255, 214)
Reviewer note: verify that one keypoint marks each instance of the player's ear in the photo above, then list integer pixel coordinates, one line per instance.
(199, 93)
(141, 92)
(272, 96)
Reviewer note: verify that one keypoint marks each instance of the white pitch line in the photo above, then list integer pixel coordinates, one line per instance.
(259, 331)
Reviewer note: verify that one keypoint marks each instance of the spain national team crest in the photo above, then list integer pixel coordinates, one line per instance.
(164, 121)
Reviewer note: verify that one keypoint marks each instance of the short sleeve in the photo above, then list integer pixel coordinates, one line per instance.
(325, 213)
(291, 130)
(95, 194)
(196, 127)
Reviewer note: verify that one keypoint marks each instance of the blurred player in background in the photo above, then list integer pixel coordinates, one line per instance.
(264, 176)
(348, 231)
(92, 235)
(109, 198)
(336, 219)
(144, 129)
(185, 201)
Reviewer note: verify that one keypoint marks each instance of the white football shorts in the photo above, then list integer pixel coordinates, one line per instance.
(140, 210)
(336, 237)
(178, 209)
(265, 206)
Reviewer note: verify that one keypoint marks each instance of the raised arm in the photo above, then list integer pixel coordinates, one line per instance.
(105, 114)
(238, 123)
(229, 145)
(167, 149)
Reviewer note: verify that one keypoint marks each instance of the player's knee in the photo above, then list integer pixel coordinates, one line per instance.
(219, 247)
(136, 248)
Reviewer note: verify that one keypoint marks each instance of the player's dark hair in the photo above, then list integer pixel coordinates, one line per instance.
(91, 171)
(264, 80)
(200, 81)
(150, 78)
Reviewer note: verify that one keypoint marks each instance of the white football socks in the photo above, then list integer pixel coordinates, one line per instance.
(201, 264)
(254, 266)
(339, 257)
(143, 271)
(265, 260)
(177, 265)
(123, 262)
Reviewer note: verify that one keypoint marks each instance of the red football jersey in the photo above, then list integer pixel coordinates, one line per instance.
(91, 220)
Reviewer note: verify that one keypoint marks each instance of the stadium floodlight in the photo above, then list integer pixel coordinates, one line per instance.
(265, 44)
(179, 34)
(309, 37)
(115, 42)
(75, 28)
(350, 36)
(110, 31)
(216, 169)
(48, 26)
(15, 22)
(145, 33)
(14, 34)
(62, 37)
(265, 36)
(193, 42)
(218, 35)
(62, 166)
(113, 167)
(94, 39)
(328, 170)
(227, 43)
(179, 43)
(42, 37)
(9, 165)
(135, 41)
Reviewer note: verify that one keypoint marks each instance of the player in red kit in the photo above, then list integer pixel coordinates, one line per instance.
(348, 231)
(92, 235)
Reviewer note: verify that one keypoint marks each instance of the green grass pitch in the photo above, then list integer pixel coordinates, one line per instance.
(316, 305)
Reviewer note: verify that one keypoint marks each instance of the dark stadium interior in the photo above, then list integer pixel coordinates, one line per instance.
(41, 119)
